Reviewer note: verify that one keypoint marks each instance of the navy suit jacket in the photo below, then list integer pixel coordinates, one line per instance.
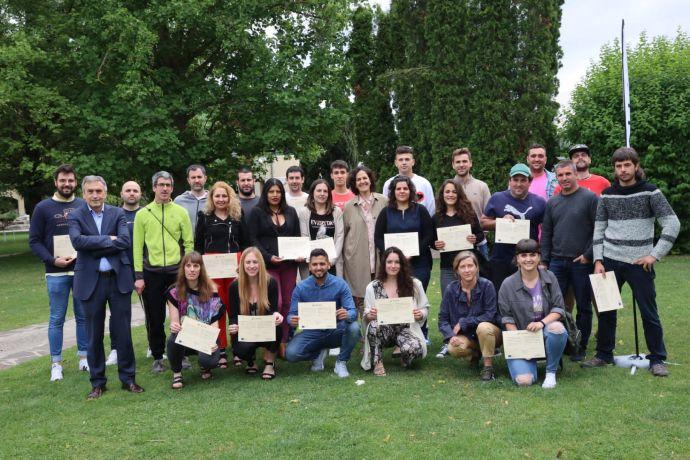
(91, 245)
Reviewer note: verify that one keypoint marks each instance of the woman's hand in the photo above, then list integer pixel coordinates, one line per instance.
(472, 238)
(233, 329)
(175, 327)
(454, 341)
(276, 260)
(456, 329)
(278, 318)
(439, 244)
(300, 259)
(372, 314)
(535, 326)
(418, 314)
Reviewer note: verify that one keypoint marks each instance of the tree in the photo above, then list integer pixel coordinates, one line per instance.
(659, 71)
(127, 88)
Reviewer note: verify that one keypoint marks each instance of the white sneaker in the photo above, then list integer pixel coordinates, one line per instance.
(334, 352)
(112, 358)
(55, 372)
(148, 353)
(443, 351)
(186, 364)
(340, 369)
(317, 364)
(83, 365)
(549, 380)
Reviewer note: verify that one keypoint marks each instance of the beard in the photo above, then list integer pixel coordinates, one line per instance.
(66, 192)
(248, 193)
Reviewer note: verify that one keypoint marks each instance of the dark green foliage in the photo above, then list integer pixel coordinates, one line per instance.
(659, 73)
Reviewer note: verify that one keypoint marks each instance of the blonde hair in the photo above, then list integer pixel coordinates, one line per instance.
(462, 256)
(234, 208)
(243, 283)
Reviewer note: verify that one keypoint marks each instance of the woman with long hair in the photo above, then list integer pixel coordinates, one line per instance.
(221, 229)
(531, 299)
(194, 296)
(319, 218)
(394, 280)
(272, 218)
(255, 293)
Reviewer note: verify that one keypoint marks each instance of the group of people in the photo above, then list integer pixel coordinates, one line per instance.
(579, 224)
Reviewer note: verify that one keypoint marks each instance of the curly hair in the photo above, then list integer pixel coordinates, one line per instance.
(404, 279)
(411, 201)
(234, 207)
(463, 207)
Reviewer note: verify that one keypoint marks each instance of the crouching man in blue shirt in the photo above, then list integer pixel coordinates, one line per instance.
(313, 344)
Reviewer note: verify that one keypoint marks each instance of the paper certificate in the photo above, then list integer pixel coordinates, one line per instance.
(292, 247)
(256, 328)
(408, 243)
(316, 315)
(221, 265)
(394, 311)
(455, 237)
(510, 232)
(197, 336)
(606, 292)
(523, 344)
(327, 244)
(62, 247)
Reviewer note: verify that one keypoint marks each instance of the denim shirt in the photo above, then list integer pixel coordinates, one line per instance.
(455, 310)
(334, 289)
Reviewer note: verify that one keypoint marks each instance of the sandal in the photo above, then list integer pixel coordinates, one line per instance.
(206, 374)
(223, 360)
(267, 375)
(236, 361)
(251, 368)
(379, 370)
(177, 382)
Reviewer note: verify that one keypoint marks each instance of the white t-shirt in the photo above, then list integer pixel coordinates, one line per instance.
(296, 201)
(425, 193)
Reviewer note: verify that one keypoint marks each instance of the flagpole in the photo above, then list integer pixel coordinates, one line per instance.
(626, 85)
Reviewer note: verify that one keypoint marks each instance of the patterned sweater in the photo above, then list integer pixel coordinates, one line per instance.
(624, 227)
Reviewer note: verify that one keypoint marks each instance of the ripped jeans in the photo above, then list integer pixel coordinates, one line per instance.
(554, 344)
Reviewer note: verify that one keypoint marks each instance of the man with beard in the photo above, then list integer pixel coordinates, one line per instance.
(194, 199)
(247, 194)
(48, 222)
(579, 154)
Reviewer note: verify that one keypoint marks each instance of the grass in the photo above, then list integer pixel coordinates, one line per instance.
(437, 410)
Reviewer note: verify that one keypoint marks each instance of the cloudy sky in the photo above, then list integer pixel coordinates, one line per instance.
(589, 24)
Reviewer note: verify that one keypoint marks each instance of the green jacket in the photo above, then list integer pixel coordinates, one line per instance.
(160, 230)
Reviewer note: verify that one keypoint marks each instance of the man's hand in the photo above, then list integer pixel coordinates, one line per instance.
(582, 259)
(599, 268)
(509, 217)
(294, 321)
(647, 262)
(456, 329)
(233, 329)
(113, 237)
(139, 286)
(341, 314)
(439, 244)
(175, 327)
(62, 262)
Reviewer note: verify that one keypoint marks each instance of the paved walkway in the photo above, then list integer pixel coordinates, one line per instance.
(30, 342)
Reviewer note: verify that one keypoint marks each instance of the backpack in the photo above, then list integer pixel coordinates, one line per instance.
(574, 334)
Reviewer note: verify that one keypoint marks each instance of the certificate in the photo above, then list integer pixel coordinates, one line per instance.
(62, 247)
(316, 315)
(327, 244)
(394, 311)
(606, 291)
(221, 265)
(523, 344)
(292, 247)
(408, 243)
(455, 237)
(197, 335)
(256, 328)
(510, 232)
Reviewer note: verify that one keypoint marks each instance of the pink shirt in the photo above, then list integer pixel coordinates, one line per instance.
(339, 199)
(538, 186)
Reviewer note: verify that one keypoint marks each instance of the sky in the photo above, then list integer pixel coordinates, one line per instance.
(586, 25)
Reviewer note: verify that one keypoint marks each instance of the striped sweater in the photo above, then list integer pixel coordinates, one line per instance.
(624, 227)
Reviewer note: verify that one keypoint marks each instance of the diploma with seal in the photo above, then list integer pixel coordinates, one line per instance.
(260, 328)
(606, 291)
(510, 232)
(523, 344)
(197, 336)
(62, 247)
(316, 315)
(408, 243)
(221, 265)
(292, 247)
(455, 237)
(394, 311)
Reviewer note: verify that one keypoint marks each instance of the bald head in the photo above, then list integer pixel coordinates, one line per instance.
(131, 195)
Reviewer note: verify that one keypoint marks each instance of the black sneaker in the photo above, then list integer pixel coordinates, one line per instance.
(487, 374)
(577, 356)
(595, 362)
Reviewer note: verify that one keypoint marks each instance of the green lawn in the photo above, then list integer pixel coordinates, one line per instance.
(439, 409)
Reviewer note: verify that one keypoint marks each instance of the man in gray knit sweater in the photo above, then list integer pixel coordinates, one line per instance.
(624, 243)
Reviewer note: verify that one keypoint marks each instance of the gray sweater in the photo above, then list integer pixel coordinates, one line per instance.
(192, 204)
(515, 301)
(568, 225)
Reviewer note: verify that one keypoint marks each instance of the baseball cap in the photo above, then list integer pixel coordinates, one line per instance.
(578, 148)
(520, 168)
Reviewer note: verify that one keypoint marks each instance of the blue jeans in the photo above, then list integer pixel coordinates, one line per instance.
(642, 285)
(307, 345)
(58, 297)
(447, 277)
(484, 251)
(554, 344)
(576, 275)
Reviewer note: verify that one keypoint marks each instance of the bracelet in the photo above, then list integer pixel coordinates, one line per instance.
(543, 324)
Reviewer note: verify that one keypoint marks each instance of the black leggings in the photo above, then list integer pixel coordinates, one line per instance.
(176, 352)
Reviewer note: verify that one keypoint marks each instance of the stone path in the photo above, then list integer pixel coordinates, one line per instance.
(30, 342)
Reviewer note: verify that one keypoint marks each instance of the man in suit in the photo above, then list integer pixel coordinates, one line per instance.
(103, 273)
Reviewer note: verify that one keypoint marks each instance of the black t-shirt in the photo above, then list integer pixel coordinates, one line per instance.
(317, 222)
